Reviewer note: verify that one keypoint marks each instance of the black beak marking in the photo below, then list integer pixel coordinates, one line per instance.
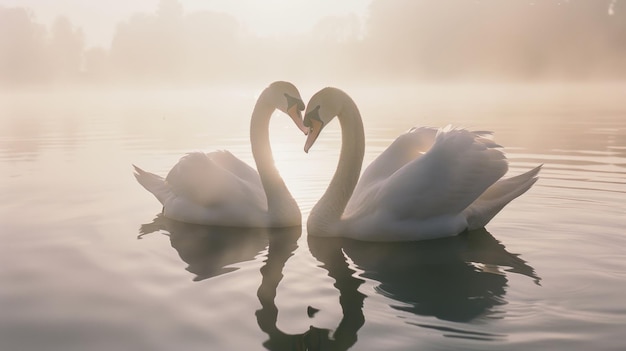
(291, 101)
(313, 114)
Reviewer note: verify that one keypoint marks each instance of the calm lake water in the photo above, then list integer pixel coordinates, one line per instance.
(87, 263)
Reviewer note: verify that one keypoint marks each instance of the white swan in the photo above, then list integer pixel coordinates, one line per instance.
(427, 184)
(219, 189)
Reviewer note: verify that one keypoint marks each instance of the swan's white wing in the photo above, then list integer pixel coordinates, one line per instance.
(481, 211)
(236, 166)
(215, 178)
(154, 184)
(456, 170)
(406, 148)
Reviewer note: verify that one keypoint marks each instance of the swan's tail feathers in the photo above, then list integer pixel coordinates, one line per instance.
(153, 183)
(481, 211)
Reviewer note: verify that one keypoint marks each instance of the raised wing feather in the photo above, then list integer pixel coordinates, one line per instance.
(406, 148)
(453, 173)
(459, 167)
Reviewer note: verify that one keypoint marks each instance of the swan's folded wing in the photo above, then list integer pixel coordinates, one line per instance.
(406, 148)
(200, 179)
(458, 168)
(228, 161)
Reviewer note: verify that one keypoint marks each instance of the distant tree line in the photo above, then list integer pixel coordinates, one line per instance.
(31, 54)
(493, 38)
(401, 40)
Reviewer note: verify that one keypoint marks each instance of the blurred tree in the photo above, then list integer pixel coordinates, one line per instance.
(169, 51)
(401, 39)
(514, 38)
(212, 42)
(22, 48)
(150, 48)
(65, 50)
(334, 49)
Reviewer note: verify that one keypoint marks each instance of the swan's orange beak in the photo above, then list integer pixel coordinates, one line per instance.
(315, 129)
(296, 116)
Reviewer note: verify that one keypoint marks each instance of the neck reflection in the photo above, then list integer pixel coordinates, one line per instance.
(327, 251)
(458, 279)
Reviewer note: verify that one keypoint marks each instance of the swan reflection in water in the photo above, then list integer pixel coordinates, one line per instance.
(456, 279)
(209, 251)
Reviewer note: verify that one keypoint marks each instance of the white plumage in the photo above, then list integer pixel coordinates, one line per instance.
(428, 183)
(219, 189)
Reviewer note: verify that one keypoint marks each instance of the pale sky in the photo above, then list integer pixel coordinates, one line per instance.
(263, 17)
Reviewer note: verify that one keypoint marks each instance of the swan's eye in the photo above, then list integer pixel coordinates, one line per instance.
(292, 101)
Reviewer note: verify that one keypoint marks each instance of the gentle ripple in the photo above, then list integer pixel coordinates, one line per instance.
(89, 264)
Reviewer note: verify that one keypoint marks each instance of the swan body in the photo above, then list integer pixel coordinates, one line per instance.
(217, 188)
(429, 183)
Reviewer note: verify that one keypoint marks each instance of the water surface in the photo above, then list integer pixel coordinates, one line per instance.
(87, 262)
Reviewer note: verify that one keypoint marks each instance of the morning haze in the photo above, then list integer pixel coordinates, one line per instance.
(90, 260)
(397, 41)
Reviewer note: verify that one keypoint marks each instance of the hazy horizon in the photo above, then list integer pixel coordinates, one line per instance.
(531, 99)
(191, 43)
(98, 20)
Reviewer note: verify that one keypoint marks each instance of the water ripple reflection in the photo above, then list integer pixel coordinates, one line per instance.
(458, 279)
(209, 251)
(74, 277)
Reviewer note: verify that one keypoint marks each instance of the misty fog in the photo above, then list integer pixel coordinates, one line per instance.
(399, 41)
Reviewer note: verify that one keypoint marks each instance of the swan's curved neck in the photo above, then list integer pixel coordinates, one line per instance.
(280, 203)
(326, 214)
